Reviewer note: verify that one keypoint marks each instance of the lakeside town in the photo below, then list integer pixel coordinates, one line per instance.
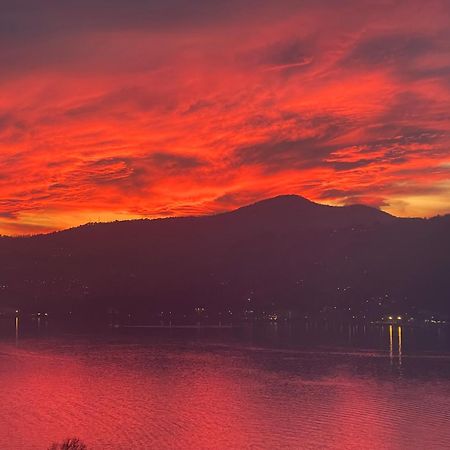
(202, 317)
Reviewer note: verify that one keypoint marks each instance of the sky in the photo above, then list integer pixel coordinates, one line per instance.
(119, 109)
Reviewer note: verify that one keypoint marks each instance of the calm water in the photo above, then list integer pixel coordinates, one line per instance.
(274, 387)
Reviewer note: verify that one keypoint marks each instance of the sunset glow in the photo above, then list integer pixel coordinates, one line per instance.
(116, 110)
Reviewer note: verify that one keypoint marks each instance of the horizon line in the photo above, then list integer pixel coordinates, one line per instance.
(230, 211)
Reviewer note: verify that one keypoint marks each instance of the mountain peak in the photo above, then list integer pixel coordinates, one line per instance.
(287, 201)
(297, 211)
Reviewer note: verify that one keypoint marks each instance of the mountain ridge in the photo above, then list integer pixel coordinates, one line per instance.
(295, 203)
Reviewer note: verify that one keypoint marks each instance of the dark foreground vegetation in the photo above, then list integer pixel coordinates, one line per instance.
(69, 444)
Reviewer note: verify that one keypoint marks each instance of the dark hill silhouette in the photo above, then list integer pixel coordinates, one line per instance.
(304, 213)
(284, 252)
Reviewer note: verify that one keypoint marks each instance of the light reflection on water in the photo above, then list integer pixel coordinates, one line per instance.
(17, 328)
(343, 386)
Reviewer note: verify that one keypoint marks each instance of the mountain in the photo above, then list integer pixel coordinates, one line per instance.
(281, 253)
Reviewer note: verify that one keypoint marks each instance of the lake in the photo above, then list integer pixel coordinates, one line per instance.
(273, 386)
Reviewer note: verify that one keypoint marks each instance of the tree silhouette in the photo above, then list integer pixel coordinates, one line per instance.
(69, 444)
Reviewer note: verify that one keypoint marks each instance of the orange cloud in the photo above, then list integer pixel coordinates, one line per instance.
(170, 108)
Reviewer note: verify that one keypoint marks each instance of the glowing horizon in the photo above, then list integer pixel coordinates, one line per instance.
(120, 110)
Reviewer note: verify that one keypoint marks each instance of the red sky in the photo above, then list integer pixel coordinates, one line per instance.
(124, 109)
